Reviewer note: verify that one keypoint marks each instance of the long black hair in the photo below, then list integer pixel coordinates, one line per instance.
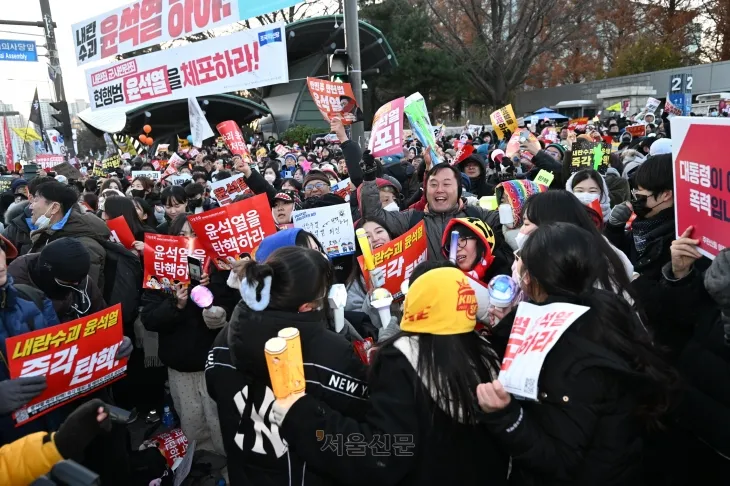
(355, 272)
(288, 267)
(454, 364)
(575, 264)
(561, 206)
(151, 221)
(116, 206)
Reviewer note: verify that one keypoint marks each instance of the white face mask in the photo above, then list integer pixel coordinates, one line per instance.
(43, 221)
(392, 207)
(270, 178)
(520, 240)
(586, 198)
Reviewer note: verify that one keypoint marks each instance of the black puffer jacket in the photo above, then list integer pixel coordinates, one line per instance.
(184, 339)
(425, 444)
(583, 431)
(16, 227)
(479, 185)
(237, 378)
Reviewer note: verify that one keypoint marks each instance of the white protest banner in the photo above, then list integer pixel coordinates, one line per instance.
(387, 132)
(150, 174)
(56, 141)
(176, 160)
(331, 225)
(226, 190)
(162, 148)
(145, 23)
(244, 60)
(199, 126)
(179, 179)
(651, 105)
(535, 331)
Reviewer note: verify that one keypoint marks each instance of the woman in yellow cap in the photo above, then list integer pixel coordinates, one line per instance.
(422, 428)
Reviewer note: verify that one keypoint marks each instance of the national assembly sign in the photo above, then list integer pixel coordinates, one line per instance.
(76, 358)
(702, 181)
(244, 60)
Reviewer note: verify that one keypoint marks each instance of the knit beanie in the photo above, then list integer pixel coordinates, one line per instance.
(559, 148)
(517, 192)
(316, 175)
(66, 259)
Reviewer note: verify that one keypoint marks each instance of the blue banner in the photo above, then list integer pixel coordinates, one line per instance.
(18, 50)
(268, 36)
(248, 9)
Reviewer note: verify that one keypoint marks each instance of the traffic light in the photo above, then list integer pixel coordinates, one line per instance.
(338, 66)
(64, 119)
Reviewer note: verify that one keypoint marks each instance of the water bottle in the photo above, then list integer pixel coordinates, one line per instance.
(168, 420)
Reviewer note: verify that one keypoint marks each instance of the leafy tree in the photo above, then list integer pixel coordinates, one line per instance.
(300, 133)
(645, 56)
(422, 66)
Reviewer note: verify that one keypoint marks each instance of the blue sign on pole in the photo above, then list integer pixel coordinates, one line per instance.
(18, 50)
(680, 92)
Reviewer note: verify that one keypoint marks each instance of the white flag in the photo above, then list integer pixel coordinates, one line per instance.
(199, 127)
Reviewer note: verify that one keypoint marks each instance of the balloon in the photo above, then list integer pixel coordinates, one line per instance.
(147, 129)
(149, 141)
(190, 139)
(143, 138)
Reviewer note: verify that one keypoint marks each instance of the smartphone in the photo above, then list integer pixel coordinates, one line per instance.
(195, 269)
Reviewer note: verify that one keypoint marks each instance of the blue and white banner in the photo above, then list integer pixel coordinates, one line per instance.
(18, 50)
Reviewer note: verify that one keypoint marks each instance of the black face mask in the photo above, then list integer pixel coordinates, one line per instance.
(640, 207)
(46, 282)
(195, 203)
(138, 193)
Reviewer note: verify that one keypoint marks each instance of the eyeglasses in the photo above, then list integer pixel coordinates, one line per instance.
(311, 187)
(464, 239)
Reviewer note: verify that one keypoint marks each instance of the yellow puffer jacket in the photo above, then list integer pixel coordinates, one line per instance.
(26, 459)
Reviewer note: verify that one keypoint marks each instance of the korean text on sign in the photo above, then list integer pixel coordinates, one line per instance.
(582, 155)
(387, 131)
(332, 99)
(702, 182)
(504, 120)
(232, 136)
(230, 231)
(331, 225)
(222, 64)
(147, 22)
(399, 257)
(535, 331)
(224, 191)
(75, 357)
(166, 260)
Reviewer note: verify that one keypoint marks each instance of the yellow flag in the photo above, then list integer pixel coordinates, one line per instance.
(28, 134)
(614, 107)
(182, 143)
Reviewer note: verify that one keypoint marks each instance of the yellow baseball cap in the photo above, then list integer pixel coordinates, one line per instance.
(440, 302)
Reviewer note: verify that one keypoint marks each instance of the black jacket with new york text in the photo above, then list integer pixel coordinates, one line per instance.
(237, 379)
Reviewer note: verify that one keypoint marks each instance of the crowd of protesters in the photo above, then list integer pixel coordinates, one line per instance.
(634, 392)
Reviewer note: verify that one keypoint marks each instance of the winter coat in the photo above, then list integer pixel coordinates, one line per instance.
(479, 185)
(686, 322)
(583, 430)
(16, 229)
(406, 439)
(20, 270)
(89, 230)
(657, 251)
(237, 378)
(618, 187)
(400, 222)
(19, 316)
(27, 459)
(184, 339)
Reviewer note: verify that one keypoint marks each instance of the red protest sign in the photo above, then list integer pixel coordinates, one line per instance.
(578, 124)
(120, 232)
(233, 138)
(172, 444)
(76, 358)
(166, 260)
(463, 150)
(702, 181)
(48, 161)
(229, 231)
(335, 100)
(399, 258)
(637, 130)
(387, 131)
